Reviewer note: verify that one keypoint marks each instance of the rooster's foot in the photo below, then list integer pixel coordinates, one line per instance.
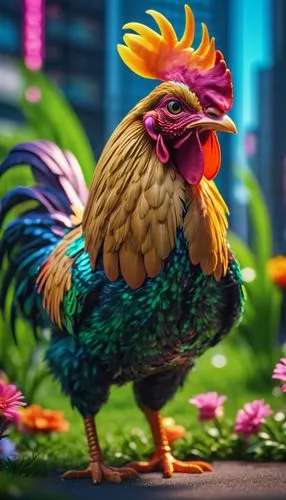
(163, 460)
(99, 472)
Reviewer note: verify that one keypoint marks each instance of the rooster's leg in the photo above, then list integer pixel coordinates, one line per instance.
(152, 393)
(97, 470)
(162, 458)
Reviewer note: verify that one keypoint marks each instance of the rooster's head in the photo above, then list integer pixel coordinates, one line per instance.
(190, 106)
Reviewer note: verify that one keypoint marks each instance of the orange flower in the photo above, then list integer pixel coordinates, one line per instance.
(173, 430)
(277, 271)
(36, 419)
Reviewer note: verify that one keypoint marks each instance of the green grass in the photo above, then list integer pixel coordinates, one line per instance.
(121, 425)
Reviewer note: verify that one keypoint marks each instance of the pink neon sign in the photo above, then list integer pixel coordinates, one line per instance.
(34, 33)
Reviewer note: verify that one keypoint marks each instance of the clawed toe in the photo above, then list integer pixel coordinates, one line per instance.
(191, 467)
(169, 464)
(99, 472)
(76, 474)
(116, 475)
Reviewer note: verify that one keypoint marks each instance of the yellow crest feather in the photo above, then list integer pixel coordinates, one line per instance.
(153, 55)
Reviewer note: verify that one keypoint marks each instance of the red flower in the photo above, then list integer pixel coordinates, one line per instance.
(250, 417)
(10, 400)
(209, 405)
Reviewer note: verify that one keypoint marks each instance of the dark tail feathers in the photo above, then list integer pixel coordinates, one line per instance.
(29, 239)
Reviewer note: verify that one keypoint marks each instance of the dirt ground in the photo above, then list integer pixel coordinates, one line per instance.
(231, 480)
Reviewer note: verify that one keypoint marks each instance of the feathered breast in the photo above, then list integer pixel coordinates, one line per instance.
(134, 209)
(136, 206)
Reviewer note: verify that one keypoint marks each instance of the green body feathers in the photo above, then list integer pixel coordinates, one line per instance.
(127, 334)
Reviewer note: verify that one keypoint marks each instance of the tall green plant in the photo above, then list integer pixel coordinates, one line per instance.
(53, 119)
(260, 323)
(23, 363)
(50, 117)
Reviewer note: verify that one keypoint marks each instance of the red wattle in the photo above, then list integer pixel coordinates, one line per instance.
(189, 159)
(212, 156)
(161, 150)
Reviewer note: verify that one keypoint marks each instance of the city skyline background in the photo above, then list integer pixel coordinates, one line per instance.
(78, 52)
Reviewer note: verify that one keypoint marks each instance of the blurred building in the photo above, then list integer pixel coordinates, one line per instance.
(278, 129)
(263, 154)
(10, 49)
(75, 59)
(271, 134)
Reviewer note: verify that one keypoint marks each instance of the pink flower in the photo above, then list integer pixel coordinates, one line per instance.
(209, 405)
(250, 417)
(33, 94)
(280, 372)
(10, 399)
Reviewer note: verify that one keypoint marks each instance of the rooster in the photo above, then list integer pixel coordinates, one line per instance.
(134, 277)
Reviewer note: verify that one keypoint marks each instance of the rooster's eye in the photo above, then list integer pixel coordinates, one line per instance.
(174, 107)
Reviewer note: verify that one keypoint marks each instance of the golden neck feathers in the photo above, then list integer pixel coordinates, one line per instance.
(136, 203)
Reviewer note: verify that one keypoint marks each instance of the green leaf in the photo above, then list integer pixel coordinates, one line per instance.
(260, 323)
(241, 251)
(260, 223)
(53, 118)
